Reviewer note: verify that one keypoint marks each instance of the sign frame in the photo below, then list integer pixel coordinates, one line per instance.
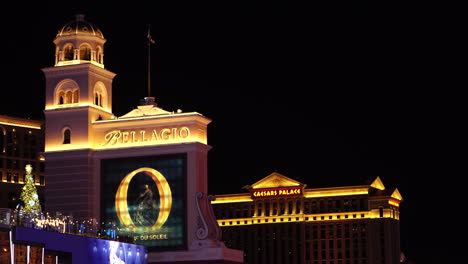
(138, 163)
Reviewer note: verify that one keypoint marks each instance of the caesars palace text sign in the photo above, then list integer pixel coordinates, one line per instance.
(115, 137)
(287, 191)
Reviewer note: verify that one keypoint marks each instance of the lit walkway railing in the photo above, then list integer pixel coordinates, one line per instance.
(62, 224)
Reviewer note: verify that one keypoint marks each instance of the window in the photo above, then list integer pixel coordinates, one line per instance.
(11, 136)
(307, 207)
(67, 136)
(61, 98)
(99, 55)
(2, 139)
(85, 52)
(75, 96)
(314, 207)
(267, 208)
(98, 99)
(68, 52)
(100, 94)
(259, 209)
(68, 97)
(67, 92)
(281, 207)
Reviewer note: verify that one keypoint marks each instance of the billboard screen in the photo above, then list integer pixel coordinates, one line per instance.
(145, 198)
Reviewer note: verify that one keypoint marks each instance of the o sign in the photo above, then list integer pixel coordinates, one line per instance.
(165, 198)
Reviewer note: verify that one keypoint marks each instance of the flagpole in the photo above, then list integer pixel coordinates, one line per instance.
(149, 100)
(149, 61)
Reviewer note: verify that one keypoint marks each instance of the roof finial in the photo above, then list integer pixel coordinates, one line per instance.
(149, 101)
(79, 17)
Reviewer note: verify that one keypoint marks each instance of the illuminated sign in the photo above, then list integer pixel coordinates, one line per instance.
(394, 202)
(132, 136)
(165, 198)
(287, 191)
(145, 197)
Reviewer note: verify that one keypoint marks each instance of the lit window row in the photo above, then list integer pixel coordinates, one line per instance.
(376, 213)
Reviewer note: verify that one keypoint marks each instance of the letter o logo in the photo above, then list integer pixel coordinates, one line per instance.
(165, 199)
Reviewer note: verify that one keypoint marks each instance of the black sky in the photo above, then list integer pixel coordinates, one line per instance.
(329, 95)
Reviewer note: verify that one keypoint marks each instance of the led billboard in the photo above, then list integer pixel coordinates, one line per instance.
(145, 198)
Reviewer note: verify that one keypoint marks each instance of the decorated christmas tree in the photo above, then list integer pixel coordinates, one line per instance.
(29, 197)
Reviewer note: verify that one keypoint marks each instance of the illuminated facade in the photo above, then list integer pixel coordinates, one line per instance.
(21, 142)
(143, 171)
(281, 221)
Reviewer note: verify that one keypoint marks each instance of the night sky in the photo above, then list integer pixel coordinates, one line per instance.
(329, 95)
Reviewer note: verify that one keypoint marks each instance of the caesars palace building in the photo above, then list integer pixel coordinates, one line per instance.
(144, 173)
(279, 220)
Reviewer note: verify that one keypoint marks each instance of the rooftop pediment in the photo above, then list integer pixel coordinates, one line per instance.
(145, 110)
(275, 180)
(378, 184)
(396, 195)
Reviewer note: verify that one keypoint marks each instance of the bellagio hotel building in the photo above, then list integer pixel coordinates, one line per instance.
(280, 221)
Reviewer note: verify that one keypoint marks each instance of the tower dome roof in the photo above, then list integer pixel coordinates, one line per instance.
(79, 26)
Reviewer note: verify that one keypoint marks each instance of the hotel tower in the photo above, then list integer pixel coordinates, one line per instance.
(144, 173)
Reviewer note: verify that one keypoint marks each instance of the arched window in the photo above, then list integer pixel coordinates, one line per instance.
(67, 92)
(68, 52)
(76, 96)
(85, 52)
(67, 136)
(99, 55)
(68, 97)
(61, 97)
(100, 94)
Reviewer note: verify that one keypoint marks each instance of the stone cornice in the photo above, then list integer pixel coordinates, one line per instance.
(79, 68)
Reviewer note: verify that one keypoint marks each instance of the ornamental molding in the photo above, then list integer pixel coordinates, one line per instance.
(79, 68)
(208, 232)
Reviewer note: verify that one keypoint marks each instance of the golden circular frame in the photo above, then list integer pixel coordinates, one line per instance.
(165, 200)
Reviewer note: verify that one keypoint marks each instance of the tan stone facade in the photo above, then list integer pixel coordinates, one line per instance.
(281, 221)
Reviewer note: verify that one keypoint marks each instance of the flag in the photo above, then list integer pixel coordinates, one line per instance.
(150, 40)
